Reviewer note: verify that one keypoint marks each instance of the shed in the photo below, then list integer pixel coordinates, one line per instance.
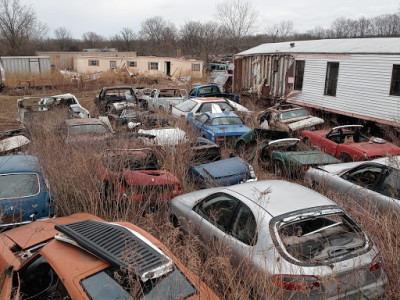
(354, 77)
(22, 64)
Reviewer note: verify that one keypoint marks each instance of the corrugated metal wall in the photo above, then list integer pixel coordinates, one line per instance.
(363, 86)
(264, 70)
(21, 64)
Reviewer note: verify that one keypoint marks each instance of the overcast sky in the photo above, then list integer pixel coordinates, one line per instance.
(107, 17)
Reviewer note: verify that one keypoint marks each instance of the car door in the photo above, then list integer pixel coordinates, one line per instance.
(330, 142)
(388, 188)
(199, 121)
(213, 216)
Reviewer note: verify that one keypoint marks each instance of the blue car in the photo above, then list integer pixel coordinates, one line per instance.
(224, 172)
(24, 193)
(219, 127)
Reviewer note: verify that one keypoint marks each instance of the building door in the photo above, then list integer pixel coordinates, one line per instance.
(34, 65)
(168, 68)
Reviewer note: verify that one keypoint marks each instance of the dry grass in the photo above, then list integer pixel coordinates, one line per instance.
(72, 171)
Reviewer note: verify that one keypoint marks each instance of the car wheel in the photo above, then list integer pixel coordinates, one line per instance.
(345, 157)
(279, 169)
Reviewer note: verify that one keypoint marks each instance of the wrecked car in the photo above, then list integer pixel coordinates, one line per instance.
(211, 90)
(30, 107)
(348, 144)
(306, 244)
(225, 81)
(224, 172)
(13, 141)
(288, 117)
(219, 127)
(135, 174)
(24, 192)
(132, 118)
(90, 129)
(257, 135)
(72, 258)
(115, 99)
(166, 98)
(201, 105)
(287, 158)
(374, 184)
(203, 150)
(164, 136)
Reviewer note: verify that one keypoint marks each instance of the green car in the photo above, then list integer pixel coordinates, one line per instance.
(289, 158)
(250, 139)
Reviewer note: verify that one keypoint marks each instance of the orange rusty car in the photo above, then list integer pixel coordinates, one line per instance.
(84, 257)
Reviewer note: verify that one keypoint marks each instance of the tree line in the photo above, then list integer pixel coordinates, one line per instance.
(235, 28)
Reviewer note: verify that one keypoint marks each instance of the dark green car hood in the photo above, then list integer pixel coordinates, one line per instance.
(306, 158)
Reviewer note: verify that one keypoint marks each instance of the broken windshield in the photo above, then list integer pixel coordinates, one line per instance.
(317, 239)
(116, 283)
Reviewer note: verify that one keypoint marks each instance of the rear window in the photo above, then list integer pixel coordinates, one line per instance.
(186, 106)
(227, 121)
(18, 185)
(294, 114)
(88, 128)
(116, 283)
(321, 239)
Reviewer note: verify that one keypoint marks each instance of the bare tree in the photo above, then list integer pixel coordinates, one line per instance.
(280, 31)
(238, 18)
(386, 25)
(191, 38)
(92, 40)
(63, 37)
(19, 25)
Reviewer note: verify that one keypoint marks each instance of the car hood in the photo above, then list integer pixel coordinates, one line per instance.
(149, 177)
(223, 168)
(375, 149)
(299, 124)
(311, 158)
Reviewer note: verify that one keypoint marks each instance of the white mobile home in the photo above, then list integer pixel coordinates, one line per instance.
(352, 77)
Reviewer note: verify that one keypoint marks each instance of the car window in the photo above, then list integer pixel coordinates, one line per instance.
(202, 118)
(244, 225)
(227, 121)
(390, 184)
(88, 128)
(296, 113)
(192, 92)
(218, 210)
(18, 185)
(366, 176)
(186, 106)
(40, 281)
(118, 283)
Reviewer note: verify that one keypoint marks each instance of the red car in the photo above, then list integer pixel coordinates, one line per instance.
(135, 174)
(347, 143)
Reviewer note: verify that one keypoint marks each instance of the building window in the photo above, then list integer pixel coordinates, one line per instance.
(332, 72)
(93, 62)
(133, 64)
(113, 64)
(395, 86)
(153, 65)
(195, 67)
(299, 75)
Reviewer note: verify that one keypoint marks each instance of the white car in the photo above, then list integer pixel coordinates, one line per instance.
(165, 99)
(204, 104)
(164, 136)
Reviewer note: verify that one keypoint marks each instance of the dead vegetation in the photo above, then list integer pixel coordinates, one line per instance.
(72, 170)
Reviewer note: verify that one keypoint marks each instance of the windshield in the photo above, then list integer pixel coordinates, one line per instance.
(87, 128)
(323, 238)
(115, 283)
(227, 121)
(137, 161)
(221, 79)
(293, 114)
(186, 106)
(18, 185)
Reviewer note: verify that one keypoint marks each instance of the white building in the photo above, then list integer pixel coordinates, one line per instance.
(353, 77)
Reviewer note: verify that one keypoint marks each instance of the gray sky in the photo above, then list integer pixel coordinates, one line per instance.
(107, 17)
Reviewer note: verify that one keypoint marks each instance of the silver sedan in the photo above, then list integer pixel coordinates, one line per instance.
(306, 243)
(374, 183)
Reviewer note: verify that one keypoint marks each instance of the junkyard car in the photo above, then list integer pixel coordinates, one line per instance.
(203, 150)
(373, 183)
(165, 99)
(257, 135)
(219, 127)
(13, 141)
(164, 136)
(348, 144)
(288, 117)
(287, 158)
(24, 192)
(30, 107)
(117, 98)
(307, 244)
(222, 172)
(211, 90)
(132, 118)
(201, 105)
(73, 258)
(137, 175)
(83, 130)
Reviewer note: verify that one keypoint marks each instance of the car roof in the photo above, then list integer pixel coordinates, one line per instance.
(278, 197)
(208, 99)
(18, 164)
(116, 87)
(84, 121)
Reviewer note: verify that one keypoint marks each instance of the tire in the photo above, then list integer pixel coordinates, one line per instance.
(345, 157)
(279, 169)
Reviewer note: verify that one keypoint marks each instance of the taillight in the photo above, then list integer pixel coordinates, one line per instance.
(183, 116)
(220, 137)
(296, 282)
(376, 263)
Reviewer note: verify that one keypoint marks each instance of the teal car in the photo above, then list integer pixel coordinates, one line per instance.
(287, 157)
